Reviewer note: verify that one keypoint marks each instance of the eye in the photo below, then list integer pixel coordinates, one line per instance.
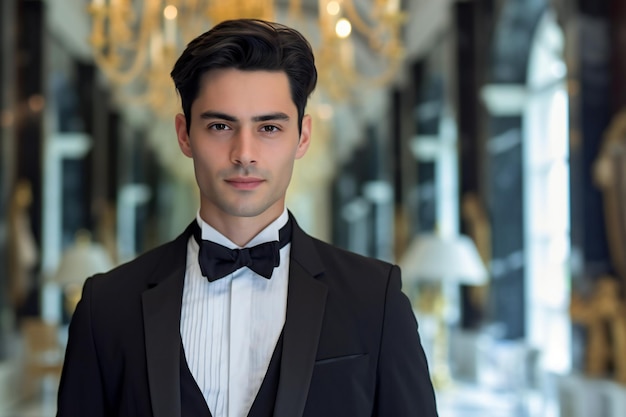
(269, 129)
(218, 126)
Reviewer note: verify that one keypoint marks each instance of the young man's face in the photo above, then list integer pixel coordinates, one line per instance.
(243, 139)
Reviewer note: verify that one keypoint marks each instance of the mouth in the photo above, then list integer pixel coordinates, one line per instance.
(244, 183)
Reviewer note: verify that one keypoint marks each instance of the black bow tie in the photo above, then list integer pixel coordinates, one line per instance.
(217, 261)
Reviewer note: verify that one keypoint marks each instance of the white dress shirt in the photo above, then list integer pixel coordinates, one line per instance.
(229, 327)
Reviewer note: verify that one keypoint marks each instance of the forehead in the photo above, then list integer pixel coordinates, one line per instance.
(232, 90)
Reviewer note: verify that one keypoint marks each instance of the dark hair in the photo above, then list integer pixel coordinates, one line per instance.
(247, 44)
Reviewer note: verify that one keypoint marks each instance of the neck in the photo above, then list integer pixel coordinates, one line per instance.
(239, 230)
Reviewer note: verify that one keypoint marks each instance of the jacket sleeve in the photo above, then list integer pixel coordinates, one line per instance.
(80, 389)
(403, 386)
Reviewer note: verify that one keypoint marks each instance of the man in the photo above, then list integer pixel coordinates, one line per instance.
(197, 327)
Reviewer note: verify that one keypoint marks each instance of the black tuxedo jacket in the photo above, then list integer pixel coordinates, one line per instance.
(350, 345)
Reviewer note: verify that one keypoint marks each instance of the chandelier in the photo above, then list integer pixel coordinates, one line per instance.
(136, 42)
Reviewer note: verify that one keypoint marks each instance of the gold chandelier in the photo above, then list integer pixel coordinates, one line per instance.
(136, 42)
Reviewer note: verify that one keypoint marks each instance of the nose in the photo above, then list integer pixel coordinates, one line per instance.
(243, 148)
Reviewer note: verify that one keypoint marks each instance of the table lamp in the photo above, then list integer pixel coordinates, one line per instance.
(80, 261)
(446, 262)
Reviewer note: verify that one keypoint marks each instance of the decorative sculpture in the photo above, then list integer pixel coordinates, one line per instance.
(22, 249)
(609, 174)
(603, 315)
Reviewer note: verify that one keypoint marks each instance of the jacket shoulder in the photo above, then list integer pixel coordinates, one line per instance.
(331, 254)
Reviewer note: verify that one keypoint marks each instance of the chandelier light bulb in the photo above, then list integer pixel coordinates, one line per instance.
(343, 28)
(333, 8)
(170, 12)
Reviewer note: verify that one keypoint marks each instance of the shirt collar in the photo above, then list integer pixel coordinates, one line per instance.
(270, 233)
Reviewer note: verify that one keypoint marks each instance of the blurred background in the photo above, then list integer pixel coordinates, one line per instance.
(480, 144)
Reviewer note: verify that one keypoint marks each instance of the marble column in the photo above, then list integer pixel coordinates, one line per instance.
(30, 102)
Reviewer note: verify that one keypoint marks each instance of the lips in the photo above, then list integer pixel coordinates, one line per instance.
(244, 183)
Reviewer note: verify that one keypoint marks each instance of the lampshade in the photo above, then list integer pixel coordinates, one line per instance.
(431, 257)
(82, 260)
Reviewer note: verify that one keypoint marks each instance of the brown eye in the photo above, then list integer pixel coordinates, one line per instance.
(270, 129)
(218, 126)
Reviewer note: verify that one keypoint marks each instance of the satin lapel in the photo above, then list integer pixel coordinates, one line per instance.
(306, 301)
(161, 313)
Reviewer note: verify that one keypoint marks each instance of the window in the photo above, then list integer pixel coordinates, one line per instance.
(546, 196)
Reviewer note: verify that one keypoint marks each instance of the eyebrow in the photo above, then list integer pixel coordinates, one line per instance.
(262, 118)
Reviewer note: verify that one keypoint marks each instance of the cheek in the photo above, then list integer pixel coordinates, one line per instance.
(206, 156)
(204, 168)
(286, 169)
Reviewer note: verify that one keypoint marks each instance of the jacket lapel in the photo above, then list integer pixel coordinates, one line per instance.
(306, 300)
(161, 310)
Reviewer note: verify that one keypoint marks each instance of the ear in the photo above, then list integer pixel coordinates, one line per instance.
(305, 137)
(183, 136)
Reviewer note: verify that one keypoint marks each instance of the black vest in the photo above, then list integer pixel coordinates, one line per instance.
(194, 405)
